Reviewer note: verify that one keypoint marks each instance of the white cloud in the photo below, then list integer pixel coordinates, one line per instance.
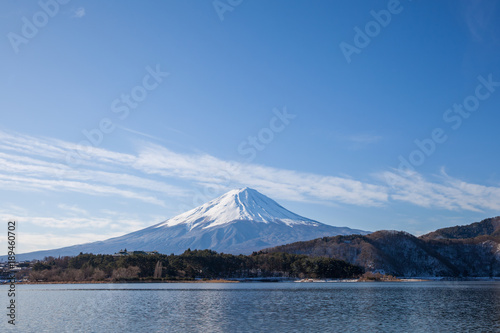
(29, 242)
(16, 183)
(139, 133)
(449, 193)
(281, 183)
(77, 229)
(41, 166)
(73, 209)
(76, 218)
(38, 164)
(28, 163)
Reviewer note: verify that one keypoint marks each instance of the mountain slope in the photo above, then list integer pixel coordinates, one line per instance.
(402, 254)
(391, 252)
(488, 227)
(240, 221)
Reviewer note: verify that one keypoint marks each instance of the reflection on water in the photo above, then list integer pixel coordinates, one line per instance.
(259, 307)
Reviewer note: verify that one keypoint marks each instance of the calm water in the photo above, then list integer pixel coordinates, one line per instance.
(257, 307)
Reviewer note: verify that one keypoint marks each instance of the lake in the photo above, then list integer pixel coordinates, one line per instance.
(256, 307)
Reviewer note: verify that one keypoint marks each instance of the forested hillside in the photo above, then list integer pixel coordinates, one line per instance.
(189, 265)
(488, 227)
(445, 252)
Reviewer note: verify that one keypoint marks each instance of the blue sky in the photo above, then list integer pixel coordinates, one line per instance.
(373, 115)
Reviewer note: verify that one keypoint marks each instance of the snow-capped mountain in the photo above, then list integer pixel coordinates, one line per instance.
(237, 205)
(240, 221)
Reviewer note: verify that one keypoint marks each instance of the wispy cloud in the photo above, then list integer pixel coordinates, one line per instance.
(46, 241)
(139, 133)
(73, 209)
(446, 192)
(37, 164)
(28, 163)
(16, 183)
(282, 183)
(78, 226)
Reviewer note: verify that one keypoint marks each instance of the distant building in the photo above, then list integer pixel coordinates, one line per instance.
(121, 253)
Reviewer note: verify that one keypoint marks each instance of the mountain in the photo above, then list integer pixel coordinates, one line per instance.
(238, 222)
(488, 227)
(444, 252)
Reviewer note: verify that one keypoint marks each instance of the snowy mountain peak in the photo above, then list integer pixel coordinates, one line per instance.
(244, 204)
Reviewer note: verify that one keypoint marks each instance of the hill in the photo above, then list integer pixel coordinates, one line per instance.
(488, 227)
(402, 254)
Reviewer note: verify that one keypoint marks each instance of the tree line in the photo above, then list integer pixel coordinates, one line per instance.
(192, 264)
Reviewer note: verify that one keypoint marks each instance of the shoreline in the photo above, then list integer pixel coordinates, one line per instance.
(122, 282)
(271, 280)
(235, 281)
